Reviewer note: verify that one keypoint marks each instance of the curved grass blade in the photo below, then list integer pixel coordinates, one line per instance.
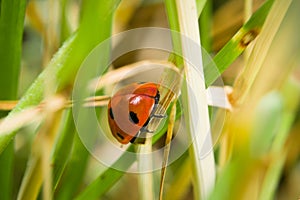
(255, 62)
(172, 118)
(247, 33)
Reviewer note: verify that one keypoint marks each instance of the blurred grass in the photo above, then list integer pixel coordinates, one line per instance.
(64, 25)
(173, 21)
(63, 66)
(65, 63)
(72, 176)
(265, 114)
(205, 26)
(63, 147)
(38, 170)
(12, 15)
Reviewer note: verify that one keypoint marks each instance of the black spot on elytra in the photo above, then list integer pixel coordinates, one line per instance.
(133, 117)
(120, 136)
(111, 113)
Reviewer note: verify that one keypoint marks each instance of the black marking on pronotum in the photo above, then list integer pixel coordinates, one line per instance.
(111, 113)
(133, 117)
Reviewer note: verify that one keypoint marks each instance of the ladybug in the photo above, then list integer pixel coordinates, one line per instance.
(130, 110)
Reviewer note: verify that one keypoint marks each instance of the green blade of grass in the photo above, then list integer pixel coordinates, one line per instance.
(237, 44)
(205, 24)
(73, 174)
(232, 179)
(272, 177)
(108, 178)
(200, 6)
(63, 148)
(12, 14)
(291, 92)
(244, 82)
(269, 111)
(172, 14)
(6, 171)
(11, 31)
(95, 27)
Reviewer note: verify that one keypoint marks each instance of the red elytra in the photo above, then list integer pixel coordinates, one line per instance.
(130, 109)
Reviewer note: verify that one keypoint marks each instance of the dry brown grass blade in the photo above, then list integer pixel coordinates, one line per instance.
(144, 164)
(167, 148)
(7, 105)
(203, 166)
(129, 71)
(96, 101)
(34, 18)
(125, 13)
(30, 115)
(39, 170)
(19, 120)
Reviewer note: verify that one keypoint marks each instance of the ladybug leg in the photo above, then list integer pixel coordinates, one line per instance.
(146, 130)
(159, 116)
(149, 131)
(137, 139)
